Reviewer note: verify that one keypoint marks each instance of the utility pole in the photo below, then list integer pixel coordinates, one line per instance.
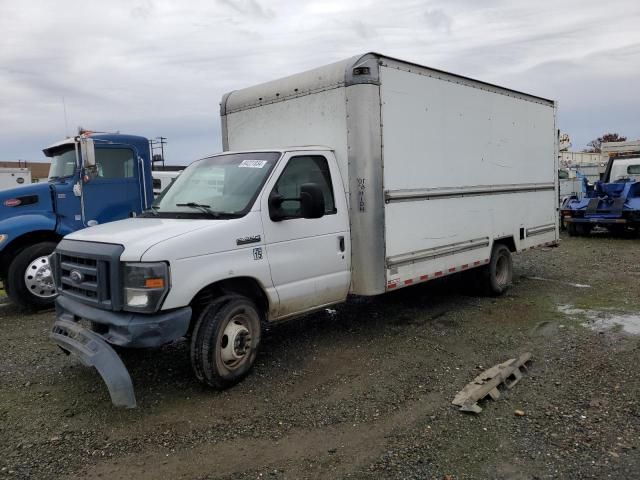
(157, 150)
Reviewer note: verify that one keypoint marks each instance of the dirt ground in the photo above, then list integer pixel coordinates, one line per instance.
(363, 391)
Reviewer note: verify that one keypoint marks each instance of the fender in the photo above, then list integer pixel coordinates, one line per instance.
(16, 227)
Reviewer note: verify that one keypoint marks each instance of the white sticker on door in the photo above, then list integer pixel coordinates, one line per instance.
(252, 163)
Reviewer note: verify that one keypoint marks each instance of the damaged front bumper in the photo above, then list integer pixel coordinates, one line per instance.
(93, 351)
(120, 328)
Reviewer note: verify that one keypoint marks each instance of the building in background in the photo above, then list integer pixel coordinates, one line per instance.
(580, 159)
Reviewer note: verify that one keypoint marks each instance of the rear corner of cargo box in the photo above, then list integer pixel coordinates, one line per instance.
(465, 165)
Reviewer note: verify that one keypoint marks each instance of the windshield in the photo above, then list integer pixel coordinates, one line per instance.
(223, 185)
(63, 163)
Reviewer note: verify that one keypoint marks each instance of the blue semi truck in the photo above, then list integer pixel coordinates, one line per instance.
(94, 179)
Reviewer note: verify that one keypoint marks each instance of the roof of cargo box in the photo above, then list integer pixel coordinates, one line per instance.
(361, 69)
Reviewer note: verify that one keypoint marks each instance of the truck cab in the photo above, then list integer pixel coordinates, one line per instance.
(233, 228)
(624, 169)
(93, 179)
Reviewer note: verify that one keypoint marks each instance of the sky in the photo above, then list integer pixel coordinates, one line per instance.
(159, 68)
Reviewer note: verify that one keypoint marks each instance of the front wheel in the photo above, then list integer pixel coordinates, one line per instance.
(497, 276)
(225, 341)
(29, 279)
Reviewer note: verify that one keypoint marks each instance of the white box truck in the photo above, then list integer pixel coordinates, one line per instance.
(405, 174)
(14, 177)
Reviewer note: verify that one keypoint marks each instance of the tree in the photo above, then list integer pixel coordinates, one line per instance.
(594, 145)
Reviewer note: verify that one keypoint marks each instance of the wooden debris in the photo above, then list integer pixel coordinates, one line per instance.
(486, 384)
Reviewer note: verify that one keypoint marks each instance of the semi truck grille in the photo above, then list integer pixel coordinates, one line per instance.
(88, 272)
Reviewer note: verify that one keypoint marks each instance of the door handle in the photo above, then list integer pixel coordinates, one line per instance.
(341, 243)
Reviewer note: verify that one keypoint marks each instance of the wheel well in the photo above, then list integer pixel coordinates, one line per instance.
(17, 244)
(246, 286)
(508, 242)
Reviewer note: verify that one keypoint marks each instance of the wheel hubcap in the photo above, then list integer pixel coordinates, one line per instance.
(38, 278)
(235, 344)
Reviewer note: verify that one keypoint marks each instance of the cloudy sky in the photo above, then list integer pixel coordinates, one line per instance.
(152, 67)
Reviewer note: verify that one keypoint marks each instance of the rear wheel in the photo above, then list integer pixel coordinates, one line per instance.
(497, 276)
(29, 280)
(225, 341)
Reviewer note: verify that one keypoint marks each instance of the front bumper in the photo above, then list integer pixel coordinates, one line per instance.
(125, 329)
(93, 351)
(122, 329)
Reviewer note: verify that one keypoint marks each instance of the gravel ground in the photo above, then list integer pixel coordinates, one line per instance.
(362, 391)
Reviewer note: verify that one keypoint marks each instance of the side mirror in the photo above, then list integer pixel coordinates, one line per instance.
(311, 201)
(88, 152)
(88, 155)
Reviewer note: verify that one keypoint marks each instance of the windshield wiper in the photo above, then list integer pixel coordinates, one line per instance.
(200, 206)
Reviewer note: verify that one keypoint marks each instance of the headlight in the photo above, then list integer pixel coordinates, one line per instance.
(3, 237)
(145, 286)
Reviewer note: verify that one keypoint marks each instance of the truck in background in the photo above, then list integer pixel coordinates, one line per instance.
(371, 201)
(612, 202)
(14, 177)
(162, 179)
(110, 180)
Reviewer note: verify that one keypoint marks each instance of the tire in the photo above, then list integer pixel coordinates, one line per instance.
(584, 229)
(216, 358)
(497, 276)
(618, 231)
(29, 281)
(573, 231)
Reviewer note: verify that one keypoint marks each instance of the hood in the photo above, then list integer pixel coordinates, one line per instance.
(169, 239)
(137, 235)
(34, 198)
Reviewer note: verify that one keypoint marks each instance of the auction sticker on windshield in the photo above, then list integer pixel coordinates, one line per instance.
(252, 163)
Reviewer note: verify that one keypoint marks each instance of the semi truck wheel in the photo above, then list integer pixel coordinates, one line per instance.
(29, 280)
(225, 341)
(498, 274)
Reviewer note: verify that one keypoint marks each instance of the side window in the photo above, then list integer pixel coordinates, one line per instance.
(115, 162)
(300, 170)
(633, 169)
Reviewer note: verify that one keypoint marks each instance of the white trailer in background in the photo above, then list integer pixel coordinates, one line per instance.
(362, 176)
(162, 179)
(14, 177)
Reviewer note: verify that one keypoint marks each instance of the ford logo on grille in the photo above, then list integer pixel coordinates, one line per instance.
(76, 276)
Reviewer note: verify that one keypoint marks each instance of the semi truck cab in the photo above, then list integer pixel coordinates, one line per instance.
(93, 179)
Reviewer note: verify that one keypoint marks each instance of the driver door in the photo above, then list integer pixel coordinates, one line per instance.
(309, 259)
(113, 194)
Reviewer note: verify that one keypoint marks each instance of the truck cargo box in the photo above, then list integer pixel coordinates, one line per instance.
(437, 166)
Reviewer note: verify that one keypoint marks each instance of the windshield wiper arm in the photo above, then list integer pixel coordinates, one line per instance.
(200, 206)
(153, 209)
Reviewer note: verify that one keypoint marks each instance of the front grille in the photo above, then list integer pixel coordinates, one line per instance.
(85, 278)
(88, 272)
